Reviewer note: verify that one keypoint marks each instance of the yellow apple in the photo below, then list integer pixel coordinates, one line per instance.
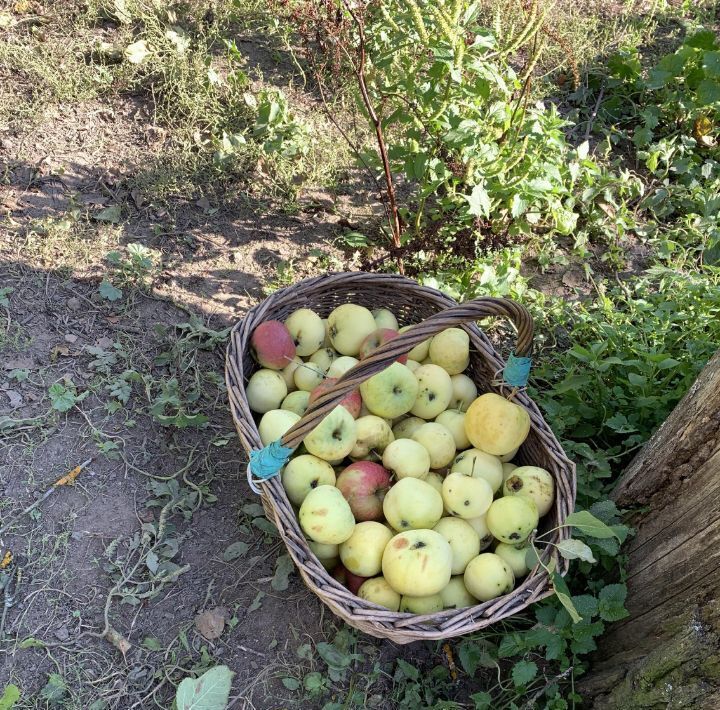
(296, 402)
(341, 365)
(420, 351)
(466, 497)
(362, 552)
(308, 376)
(265, 390)
(323, 551)
(478, 464)
(456, 596)
(454, 422)
(275, 423)
(325, 516)
(288, 372)
(495, 425)
(392, 392)
(379, 592)
(406, 458)
(334, 437)
(421, 605)
(434, 391)
(509, 456)
(302, 474)
(463, 540)
(511, 519)
(451, 350)
(533, 482)
(435, 480)
(307, 330)
(405, 428)
(439, 443)
(324, 357)
(349, 325)
(417, 562)
(412, 504)
(479, 525)
(373, 434)
(488, 576)
(412, 365)
(464, 392)
(514, 556)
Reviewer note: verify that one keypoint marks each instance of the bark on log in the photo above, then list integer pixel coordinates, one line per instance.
(667, 653)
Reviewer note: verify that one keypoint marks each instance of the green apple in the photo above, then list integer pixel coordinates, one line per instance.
(412, 365)
(478, 464)
(488, 576)
(514, 556)
(420, 351)
(508, 468)
(349, 325)
(421, 605)
(323, 551)
(307, 330)
(496, 425)
(451, 350)
(391, 392)
(406, 458)
(439, 443)
(296, 402)
(463, 540)
(325, 516)
(511, 519)
(308, 376)
(265, 390)
(334, 437)
(275, 423)
(411, 504)
(405, 428)
(479, 525)
(509, 456)
(324, 357)
(327, 343)
(385, 319)
(288, 372)
(379, 592)
(362, 552)
(454, 422)
(373, 435)
(533, 482)
(341, 365)
(435, 480)
(465, 496)
(417, 562)
(303, 473)
(434, 391)
(464, 392)
(455, 594)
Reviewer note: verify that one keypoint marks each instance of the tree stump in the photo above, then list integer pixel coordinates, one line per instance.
(666, 654)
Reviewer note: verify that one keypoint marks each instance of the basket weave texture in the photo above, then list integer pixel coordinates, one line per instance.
(432, 311)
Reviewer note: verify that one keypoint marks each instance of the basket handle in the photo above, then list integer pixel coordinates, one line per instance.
(387, 353)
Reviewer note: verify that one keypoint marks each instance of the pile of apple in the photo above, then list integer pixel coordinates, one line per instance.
(428, 487)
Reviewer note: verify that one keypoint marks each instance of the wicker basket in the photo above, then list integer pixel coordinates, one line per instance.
(432, 311)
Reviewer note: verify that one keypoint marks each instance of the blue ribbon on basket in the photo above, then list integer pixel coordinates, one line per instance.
(268, 461)
(517, 370)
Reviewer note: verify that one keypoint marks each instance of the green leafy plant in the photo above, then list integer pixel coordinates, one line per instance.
(211, 691)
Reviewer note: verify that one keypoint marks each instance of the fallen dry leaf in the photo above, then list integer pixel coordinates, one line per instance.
(59, 350)
(210, 623)
(15, 398)
(104, 342)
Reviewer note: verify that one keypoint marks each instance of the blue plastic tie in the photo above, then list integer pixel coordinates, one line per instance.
(268, 461)
(517, 370)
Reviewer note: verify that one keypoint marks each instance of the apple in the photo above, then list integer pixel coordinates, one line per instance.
(511, 519)
(375, 340)
(488, 576)
(420, 351)
(308, 331)
(495, 425)
(364, 484)
(533, 482)
(391, 392)
(324, 357)
(421, 605)
(434, 391)
(479, 525)
(272, 345)
(451, 350)
(464, 392)
(379, 592)
(265, 390)
(308, 376)
(508, 468)
(439, 443)
(325, 516)
(406, 458)
(323, 551)
(385, 319)
(509, 456)
(405, 428)
(352, 581)
(411, 504)
(417, 562)
(454, 422)
(435, 480)
(514, 556)
(334, 437)
(275, 423)
(296, 402)
(327, 343)
(478, 464)
(352, 402)
(466, 497)
(349, 325)
(362, 552)
(463, 540)
(304, 473)
(412, 365)
(455, 594)
(373, 434)
(340, 366)
(288, 372)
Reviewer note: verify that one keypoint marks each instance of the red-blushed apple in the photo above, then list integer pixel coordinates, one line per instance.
(352, 581)
(364, 485)
(376, 339)
(272, 345)
(352, 402)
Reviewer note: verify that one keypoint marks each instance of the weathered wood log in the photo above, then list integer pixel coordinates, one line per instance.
(666, 654)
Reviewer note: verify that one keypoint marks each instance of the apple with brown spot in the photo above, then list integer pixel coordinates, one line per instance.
(364, 485)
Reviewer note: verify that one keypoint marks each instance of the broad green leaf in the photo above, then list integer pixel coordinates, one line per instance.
(711, 64)
(152, 644)
(563, 594)
(54, 690)
(9, 697)
(478, 202)
(523, 672)
(137, 52)
(283, 567)
(62, 399)
(589, 524)
(237, 549)
(575, 549)
(708, 91)
(112, 214)
(612, 602)
(109, 292)
(291, 683)
(409, 671)
(211, 691)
